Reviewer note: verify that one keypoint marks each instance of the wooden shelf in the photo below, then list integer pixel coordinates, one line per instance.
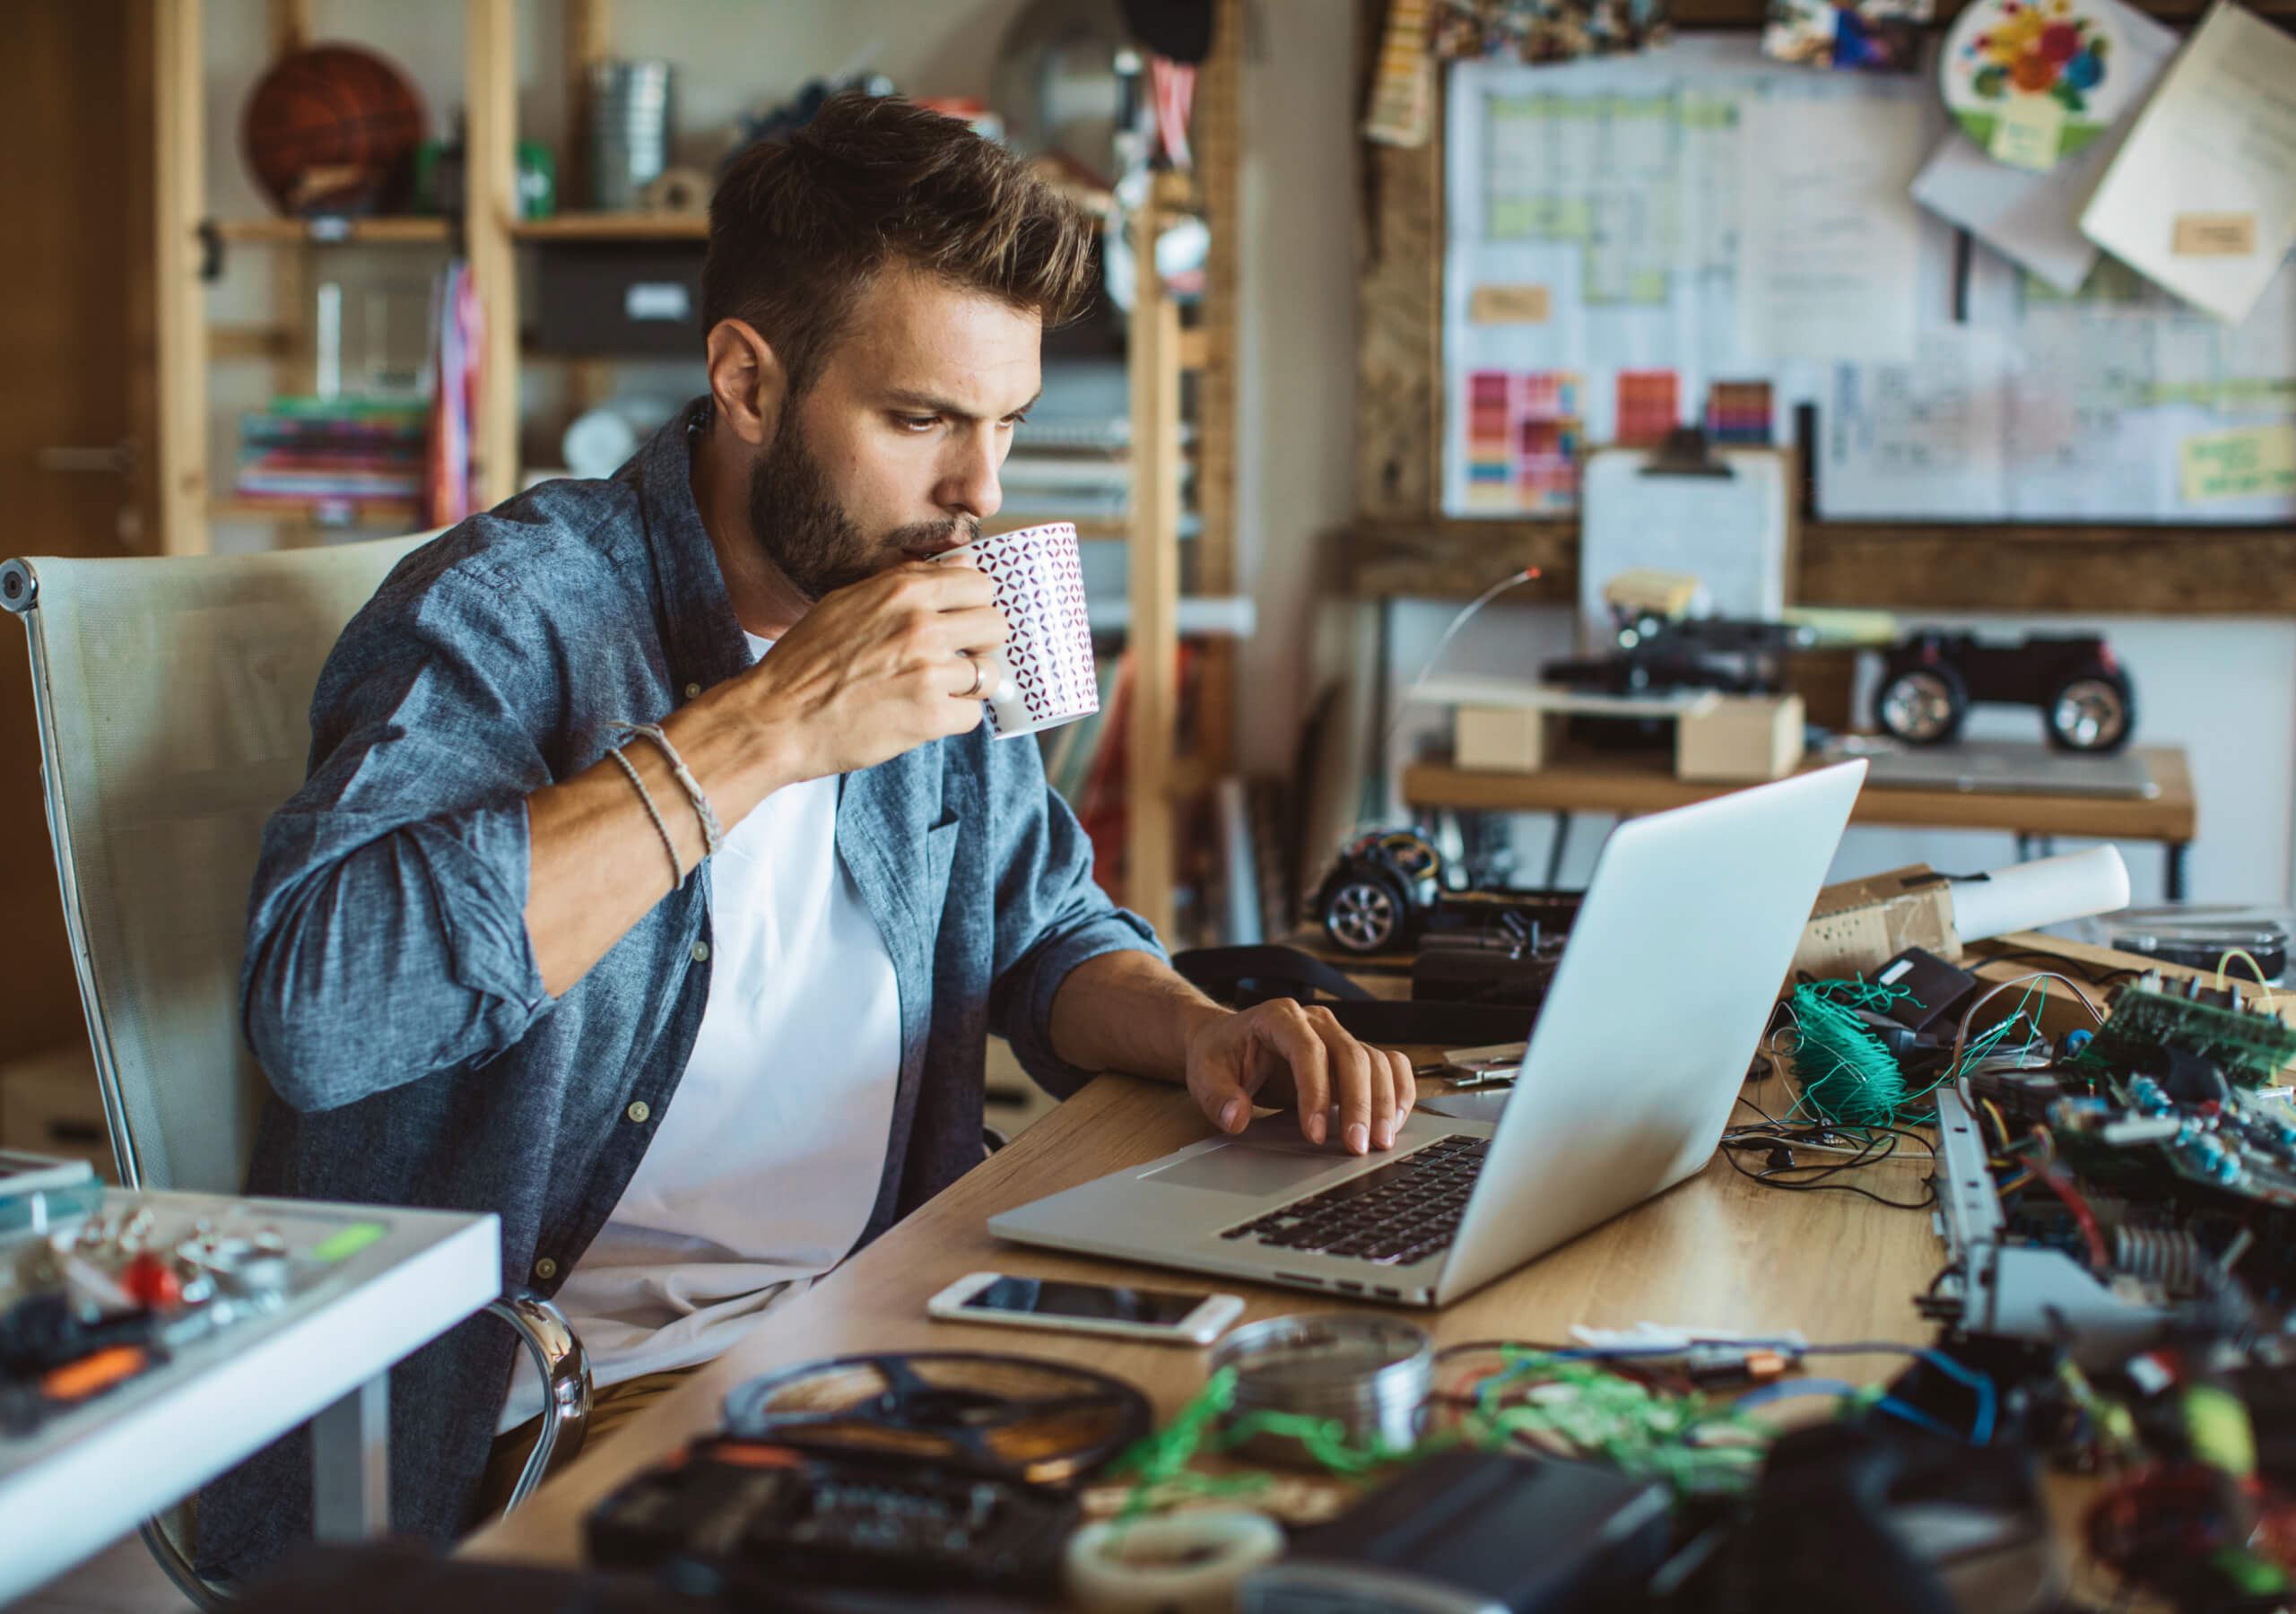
(400, 515)
(273, 343)
(410, 230)
(614, 227)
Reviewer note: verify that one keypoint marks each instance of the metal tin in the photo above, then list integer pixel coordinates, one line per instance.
(630, 124)
(1369, 1375)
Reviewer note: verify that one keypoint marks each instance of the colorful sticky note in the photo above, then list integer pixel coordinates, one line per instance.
(2029, 132)
(2238, 464)
(2213, 235)
(1509, 305)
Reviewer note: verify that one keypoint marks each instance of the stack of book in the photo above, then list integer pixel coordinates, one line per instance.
(332, 451)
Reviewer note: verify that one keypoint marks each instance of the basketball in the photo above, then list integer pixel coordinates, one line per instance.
(333, 130)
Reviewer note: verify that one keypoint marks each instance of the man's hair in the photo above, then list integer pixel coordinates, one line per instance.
(800, 228)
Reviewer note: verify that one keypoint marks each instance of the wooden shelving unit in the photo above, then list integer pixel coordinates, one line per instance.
(490, 232)
(399, 231)
(614, 227)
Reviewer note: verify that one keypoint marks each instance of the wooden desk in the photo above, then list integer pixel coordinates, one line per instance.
(1716, 1252)
(1630, 784)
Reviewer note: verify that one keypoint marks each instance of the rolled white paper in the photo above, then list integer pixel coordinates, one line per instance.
(2049, 890)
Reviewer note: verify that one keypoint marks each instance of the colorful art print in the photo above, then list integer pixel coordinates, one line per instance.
(1867, 36)
(2008, 56)
(1547, 30)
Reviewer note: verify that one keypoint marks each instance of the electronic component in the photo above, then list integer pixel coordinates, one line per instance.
(2151, 1015)
(1007, 1416)
(1878, 1515)
(1932, 990)
(937, 1471)
(95, 1298)
(746, 1517)
(1476, 1531)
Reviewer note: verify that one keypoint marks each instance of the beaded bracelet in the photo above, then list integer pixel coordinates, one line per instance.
(677, 864)
(713, 834)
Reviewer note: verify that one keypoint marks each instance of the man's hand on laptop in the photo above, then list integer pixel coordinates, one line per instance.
(1128, 1012)
(1286, 1052)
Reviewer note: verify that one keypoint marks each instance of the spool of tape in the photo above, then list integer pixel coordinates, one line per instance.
(678, 190)
(1183, 1563)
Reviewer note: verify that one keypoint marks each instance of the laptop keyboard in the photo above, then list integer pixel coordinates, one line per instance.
(1404, 1211)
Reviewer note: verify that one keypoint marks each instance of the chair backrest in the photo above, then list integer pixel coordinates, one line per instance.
(174, 703)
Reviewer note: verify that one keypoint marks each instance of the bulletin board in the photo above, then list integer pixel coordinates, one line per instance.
(1928, 492)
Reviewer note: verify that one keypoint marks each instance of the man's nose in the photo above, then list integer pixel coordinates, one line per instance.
(970, 483)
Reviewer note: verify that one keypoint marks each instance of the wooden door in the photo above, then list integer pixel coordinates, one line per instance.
(76, 391)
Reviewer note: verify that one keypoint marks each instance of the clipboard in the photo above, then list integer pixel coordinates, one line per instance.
(1727, 517)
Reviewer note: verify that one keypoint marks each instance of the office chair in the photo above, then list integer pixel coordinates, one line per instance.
(173, 697)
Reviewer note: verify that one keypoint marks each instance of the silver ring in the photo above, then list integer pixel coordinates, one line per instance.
(979, 678)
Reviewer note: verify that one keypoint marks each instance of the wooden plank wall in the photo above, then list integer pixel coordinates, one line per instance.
(1403, 543)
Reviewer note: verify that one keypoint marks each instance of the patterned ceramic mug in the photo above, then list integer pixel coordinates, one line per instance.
(1050, 678)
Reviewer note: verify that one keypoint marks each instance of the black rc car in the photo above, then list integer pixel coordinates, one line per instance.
(1930, 681)
(1383, 895)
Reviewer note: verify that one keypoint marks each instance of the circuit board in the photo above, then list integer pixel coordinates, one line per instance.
(2149, 1016)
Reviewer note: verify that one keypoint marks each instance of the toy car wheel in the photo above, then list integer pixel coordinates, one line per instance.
(1363, 915)
(1922, 704)
(2093, 710)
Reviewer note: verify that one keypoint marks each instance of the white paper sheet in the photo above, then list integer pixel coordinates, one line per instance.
(1827, 235)
(2034, 218)
(1924, 439)
(1729, 533)
(2215, 145)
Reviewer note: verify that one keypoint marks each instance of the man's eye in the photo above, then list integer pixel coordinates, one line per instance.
(918, 422)
(1011, 421)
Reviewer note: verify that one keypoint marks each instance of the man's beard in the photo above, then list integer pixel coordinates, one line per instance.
(803, 529)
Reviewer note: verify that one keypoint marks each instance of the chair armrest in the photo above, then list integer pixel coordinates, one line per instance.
(565, 1370)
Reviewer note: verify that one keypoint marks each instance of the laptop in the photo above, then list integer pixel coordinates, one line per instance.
(1688, 931)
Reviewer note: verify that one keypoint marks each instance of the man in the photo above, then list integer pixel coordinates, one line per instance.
(481, 972)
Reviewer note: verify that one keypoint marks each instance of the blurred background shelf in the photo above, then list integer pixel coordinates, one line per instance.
(614, 227)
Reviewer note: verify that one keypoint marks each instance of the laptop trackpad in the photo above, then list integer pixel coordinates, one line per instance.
(1241, 1168)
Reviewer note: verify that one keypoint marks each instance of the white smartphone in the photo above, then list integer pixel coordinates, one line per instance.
(1171, 1316)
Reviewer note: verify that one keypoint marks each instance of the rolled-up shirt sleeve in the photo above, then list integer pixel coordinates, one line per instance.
(387, 935)
(1050, 914)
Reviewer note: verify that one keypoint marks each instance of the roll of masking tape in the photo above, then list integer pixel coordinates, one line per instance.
(677, 190)
(1183, 1563)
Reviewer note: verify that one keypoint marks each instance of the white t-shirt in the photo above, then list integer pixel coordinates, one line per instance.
(765, 1169)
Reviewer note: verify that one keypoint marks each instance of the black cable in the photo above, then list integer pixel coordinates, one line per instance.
(2094, 976)
(1768, 1181)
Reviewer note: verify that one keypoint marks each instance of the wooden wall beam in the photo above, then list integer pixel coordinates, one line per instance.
(180, 327)
(2178, 571)
(1399, 353)
(1153, 583)
(491, 184)
(1218, 138)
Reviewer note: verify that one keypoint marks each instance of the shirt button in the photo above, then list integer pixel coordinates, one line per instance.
(546, 1269)
(702, 952)
(639, 1111)
(693, 691)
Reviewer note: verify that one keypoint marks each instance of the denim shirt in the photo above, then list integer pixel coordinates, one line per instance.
(390, 988)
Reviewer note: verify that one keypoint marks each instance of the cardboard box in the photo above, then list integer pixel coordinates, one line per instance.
(1740, 738)
(1500, 738)
(1861, 925)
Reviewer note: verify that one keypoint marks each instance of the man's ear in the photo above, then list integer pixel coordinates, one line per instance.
(747, 382)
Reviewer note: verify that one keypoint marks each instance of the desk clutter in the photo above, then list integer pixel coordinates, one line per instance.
(98, 1290)
(1669, 671)
(2113, 1177)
